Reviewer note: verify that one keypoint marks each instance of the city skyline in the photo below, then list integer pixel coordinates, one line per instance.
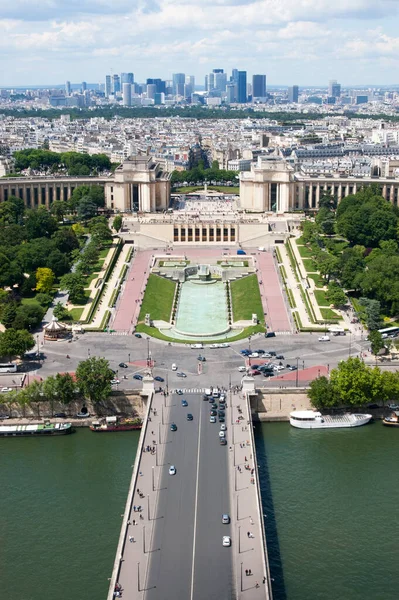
(303, 42)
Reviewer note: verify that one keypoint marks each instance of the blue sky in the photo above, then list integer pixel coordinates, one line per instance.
(306, 42)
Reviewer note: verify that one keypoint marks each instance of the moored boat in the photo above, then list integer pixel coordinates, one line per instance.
(393, 420)
(36, 429)
(112, 424)
(311, 419)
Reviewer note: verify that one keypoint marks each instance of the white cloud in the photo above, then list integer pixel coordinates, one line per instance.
(273, 36)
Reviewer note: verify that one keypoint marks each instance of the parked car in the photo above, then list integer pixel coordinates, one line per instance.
(213, 413)
(184, 403)
(174, 367)
(222, 441)
(225, 519)
(254, 355)
(82, 415)
(138, 335)
(393, 406)
(212, 419)
(4, 417)
(256, 372)
(280, 356)
(115, 381)
(242, 369)
(201, 358)
(324, 338)
(291, 367)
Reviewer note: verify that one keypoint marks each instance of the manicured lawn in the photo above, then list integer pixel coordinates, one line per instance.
(321, 299)
(158, 298)
(310, 265)
(76, 313)
(300, 241)
(89, 279)
(327, 313)
(103, 253)
(305, 252)
(246, 300)
(319, 281)
(28, 301)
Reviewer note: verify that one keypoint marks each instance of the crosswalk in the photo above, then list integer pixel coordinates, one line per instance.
(189, 390)
(283, 332)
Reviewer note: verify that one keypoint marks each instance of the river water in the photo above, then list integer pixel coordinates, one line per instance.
(330, 500)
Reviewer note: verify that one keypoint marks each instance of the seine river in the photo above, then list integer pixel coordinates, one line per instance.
(330, 500)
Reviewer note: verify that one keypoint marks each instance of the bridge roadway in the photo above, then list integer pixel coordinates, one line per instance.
(177, 552)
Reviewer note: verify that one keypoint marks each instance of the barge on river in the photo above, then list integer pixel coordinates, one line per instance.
(36, 429)
(112, 424)
(311, 419)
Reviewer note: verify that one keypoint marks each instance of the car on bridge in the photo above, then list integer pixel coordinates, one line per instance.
(223, 441)
(226, 540)
(173, 427)
(184, 403)
(172, 470)
(225, 519)
(190, 417)
(212, 419)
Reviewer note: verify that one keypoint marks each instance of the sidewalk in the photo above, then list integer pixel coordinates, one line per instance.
(245, 514)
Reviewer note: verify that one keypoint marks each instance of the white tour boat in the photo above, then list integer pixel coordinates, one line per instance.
(310, 419)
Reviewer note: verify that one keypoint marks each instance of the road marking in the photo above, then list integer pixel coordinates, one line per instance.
(196, 506)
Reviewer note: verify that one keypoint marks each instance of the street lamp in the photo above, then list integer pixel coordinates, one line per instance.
(153, 482)
(148, 352)
(128, 356)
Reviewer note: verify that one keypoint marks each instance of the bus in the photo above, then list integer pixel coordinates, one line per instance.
(389, 332)
(8, 368)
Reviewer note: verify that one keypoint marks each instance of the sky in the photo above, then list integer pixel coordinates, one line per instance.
(304, 42)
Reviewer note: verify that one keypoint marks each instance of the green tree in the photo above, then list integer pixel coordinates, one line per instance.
(44, 280)
(376, 341)
(28, 316)
(87, 209)
(15, 343)
(117, 222)
(49, 388)
(44, 300)
(372, 312)
(65, 387)
(335, 295)
(322, 394)
(74, 284)
(8, 314)
(65, 240)
(58, 209)
(355, 383)
(93, 377)
(60, 312)
(39, 223)
(328, 265)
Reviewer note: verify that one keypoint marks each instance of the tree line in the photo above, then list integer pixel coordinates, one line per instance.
(354, 384)
(363, 255)
(69, 163)
(37, 250)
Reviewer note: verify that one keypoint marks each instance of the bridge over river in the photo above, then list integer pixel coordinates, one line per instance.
(172, 548)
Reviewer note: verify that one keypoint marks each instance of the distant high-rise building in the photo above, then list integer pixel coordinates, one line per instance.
(84, 86)
(334, 88)
(293, 94)
(179, 79)
(151, 90)
(231, 90)
(190, 80)
(127, 94)
(160, 85)
(159, 99)
(68, 88)
(259, 86)
(220, 80)
(108, 86)
(234, 75)
(206, 83)
(116, 84)
(242, 87)
(127, 78)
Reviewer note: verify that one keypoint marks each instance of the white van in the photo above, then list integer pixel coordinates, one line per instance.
(324, 338)
(196, 346)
